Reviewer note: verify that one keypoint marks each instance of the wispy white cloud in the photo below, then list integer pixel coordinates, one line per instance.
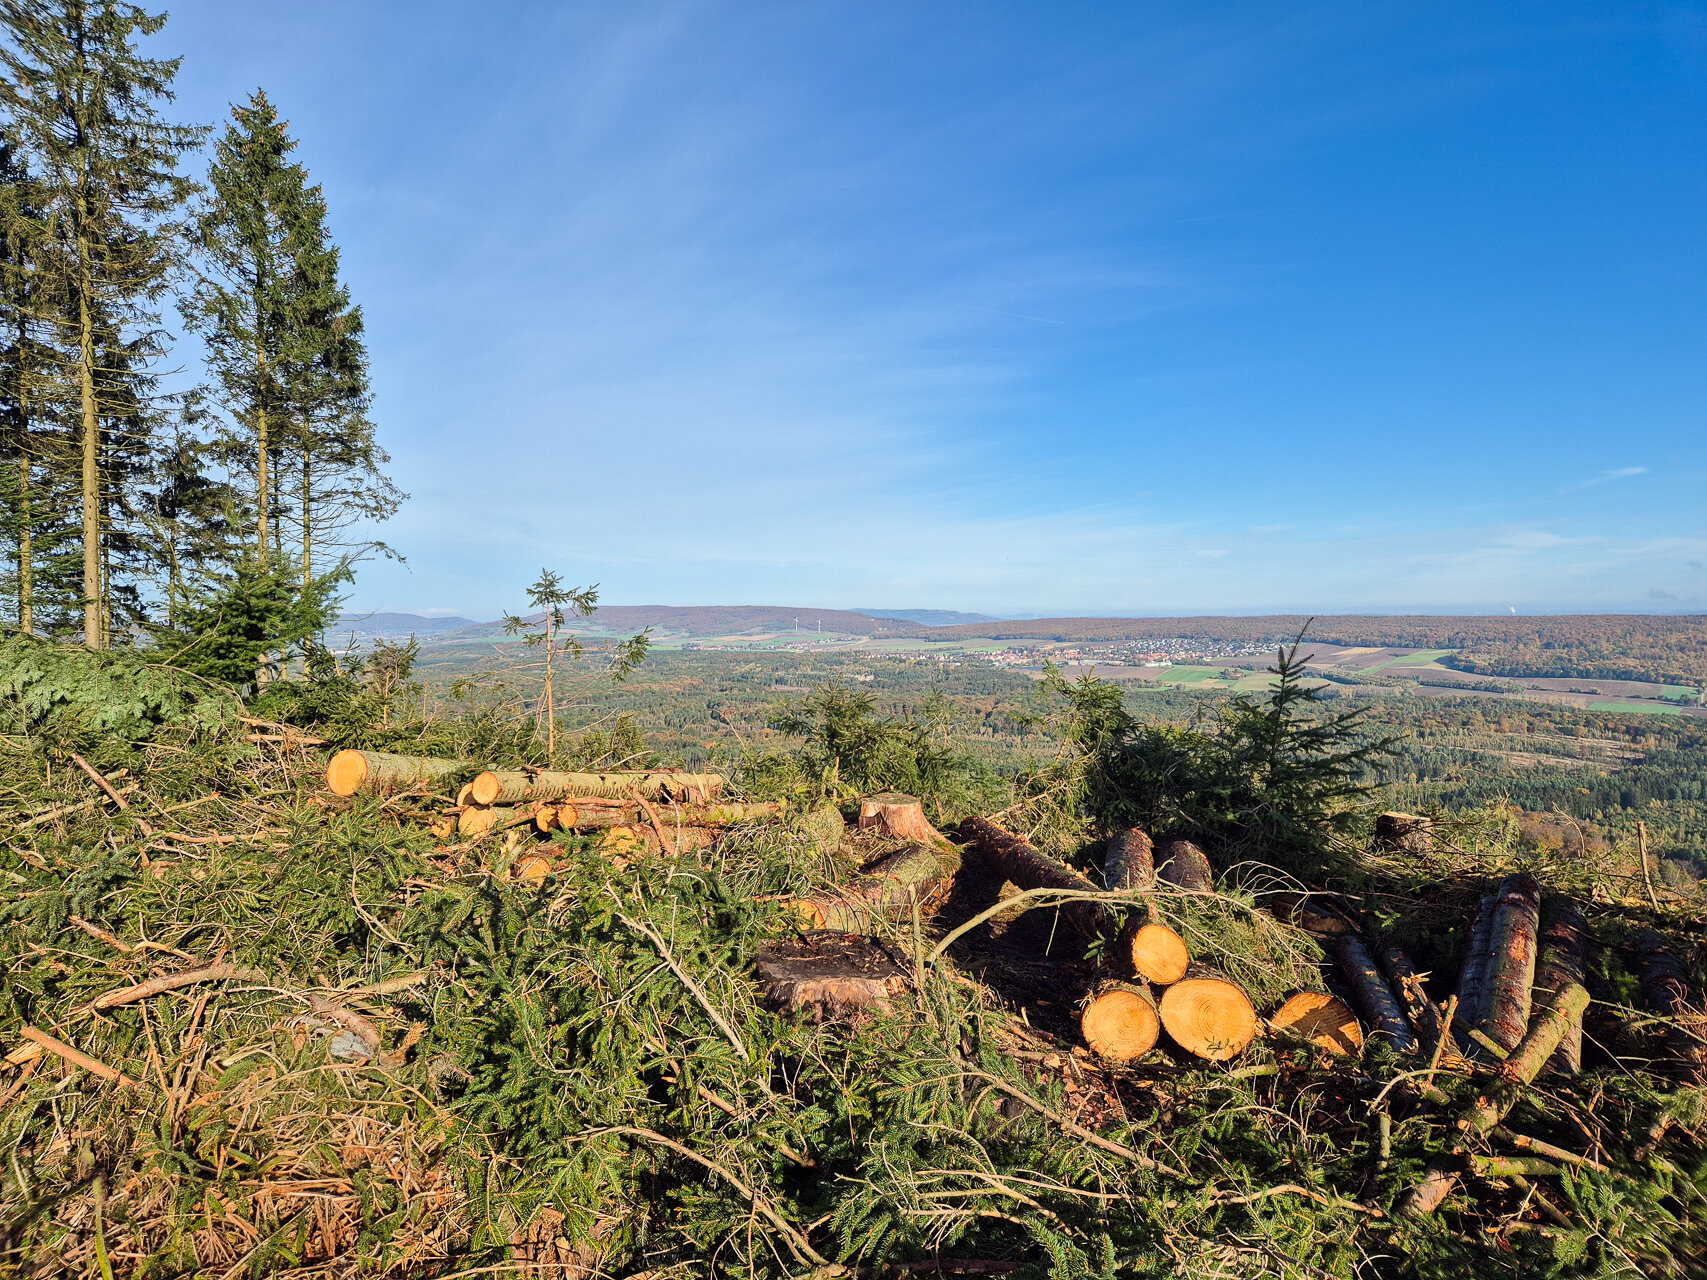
(1605, 477)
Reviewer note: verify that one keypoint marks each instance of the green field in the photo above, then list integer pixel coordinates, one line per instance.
(1189, 675)
(1423, 658)
(1644, 708)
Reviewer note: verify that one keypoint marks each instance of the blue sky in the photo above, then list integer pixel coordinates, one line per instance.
(1020, 308)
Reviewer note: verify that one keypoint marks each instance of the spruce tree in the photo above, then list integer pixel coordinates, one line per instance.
(284, 346)
(84, 107)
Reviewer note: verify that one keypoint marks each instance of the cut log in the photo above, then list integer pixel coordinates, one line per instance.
(1130, 862)
(1405, 832)
(1157, 953)
(1312, 912)
(1209, 1016)
(828, 976)
(1564, 959)
(476, 821)
(1407, 984)
(1553, 1017)
(899, 817)
(379, 773)
(464, 794)
(1374, 998)
(1510, 979)
(511, 785)
(887, 890)
(531, 867)
(1473, 968)
(1185, 866)
(1321, 1019)
(1666, 989)
(1120, 1022)
(1016, 860)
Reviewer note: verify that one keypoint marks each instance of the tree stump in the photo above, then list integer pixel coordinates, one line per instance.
(899, 817)
(828, 975)
(1405, 832)
(1120, 1022)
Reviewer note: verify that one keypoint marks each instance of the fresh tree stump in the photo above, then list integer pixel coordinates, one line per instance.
(1120, 1022)
(828, 976)
(886, 891)
(1510, 971)
(1185, 866)
(1321, 1019)
(899, 817)
(1564, 960)
(1375, 999)
(1208, 1016)
(1157, 954)
(1666, 989)
(1130, 862)
(1016, 860)
(380, 773)
(1405, 832)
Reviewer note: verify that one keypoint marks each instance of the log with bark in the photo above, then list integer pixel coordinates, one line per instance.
(1130, 862)
(1564, 960)
(379, 773)
(1553, 1018)
(1323, 1020)
(886, 890)
(1120, 1022)
(1317, 913)
(1473, 966)
(1369, 990)
(1207, 1015)
(507, 786)
(1017, 860)
(899, 817)
(1509, 972)
(1666, 989)
(828, 975)
(1185, 866)
(1407, 984)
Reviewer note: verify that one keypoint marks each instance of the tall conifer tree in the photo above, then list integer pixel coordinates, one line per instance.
(285, 346)
(83, 105)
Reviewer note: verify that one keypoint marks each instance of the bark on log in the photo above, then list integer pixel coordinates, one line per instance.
(886, 891)
(1130, 862)
(1185, 866)
(1666, 989)
(1510, 974)
(1120, 1021)
(1015, 859)
(1553, 1018)
(1156, 953)
(379, 773)
(1322, 1020)
(1473, 967)
(1407, 983)
(1564, 959)
(828, 976)
(507, 786)
(898, 817)
(1209, 1016)
(1311, 912)
(1405, 832)
(1375, 999)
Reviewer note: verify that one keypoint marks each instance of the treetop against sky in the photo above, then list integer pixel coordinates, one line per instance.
(1015, 307)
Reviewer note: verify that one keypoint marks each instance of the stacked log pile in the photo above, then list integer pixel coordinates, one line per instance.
(632, 810)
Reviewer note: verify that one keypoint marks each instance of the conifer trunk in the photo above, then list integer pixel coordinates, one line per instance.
(1375, 999)
(94, 633)
(1473, 967)
(1564, 959)
(26, 548)
(1131, 860)
(1510, 973)
(1185, 866)
(1666, 989)
(1018, 861)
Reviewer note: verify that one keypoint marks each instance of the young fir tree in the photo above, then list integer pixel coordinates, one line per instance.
(83, 104)
(285, 348)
